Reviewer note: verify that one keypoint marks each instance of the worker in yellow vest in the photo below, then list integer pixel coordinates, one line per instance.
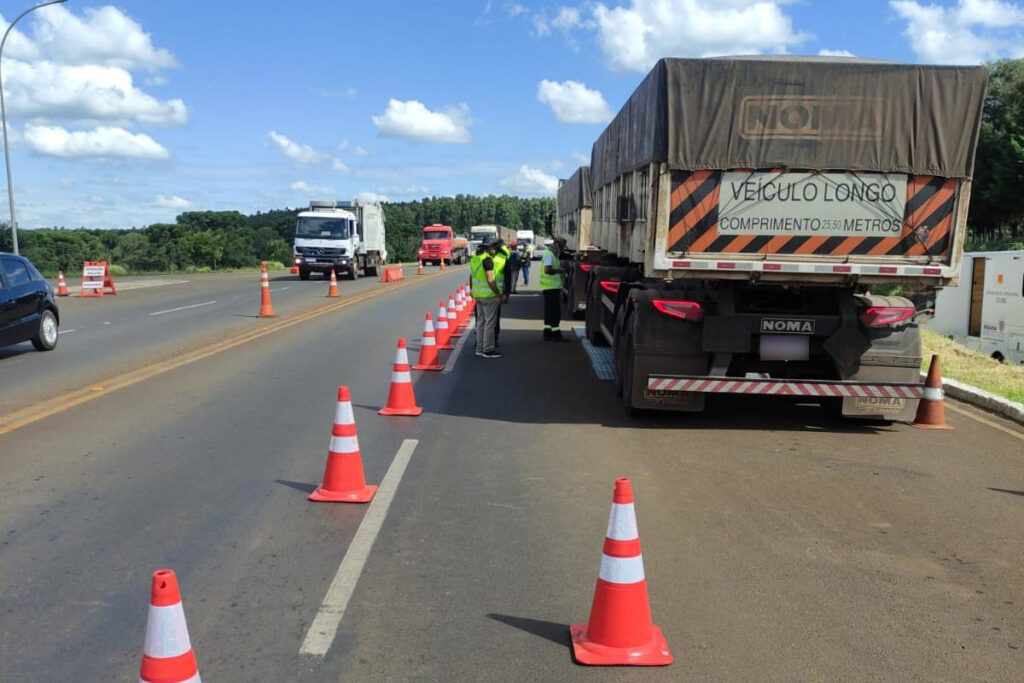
(551, 287)
(487, 295)
(501, 275)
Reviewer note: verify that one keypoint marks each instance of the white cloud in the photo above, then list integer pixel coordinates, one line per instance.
(573, 102)
(531, 181)
(104, 36)
(567, 18)
(343, 144)
(633, 38)
(411, 120)
(360, 151)
(367, 197)
(346, 94)
(172, 202)
(101, 142)
(969, 32)
(404, 191)
(85, 93)
(835, 53)
(299, 153)
(338, 165)
(581, 159)
(312, 191)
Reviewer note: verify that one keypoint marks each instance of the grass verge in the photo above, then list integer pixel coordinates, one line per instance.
(964, 365)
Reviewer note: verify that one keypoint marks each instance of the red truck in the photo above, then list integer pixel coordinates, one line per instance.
(439, 243)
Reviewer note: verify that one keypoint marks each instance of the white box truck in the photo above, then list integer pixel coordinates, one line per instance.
(347, 237)
(745, 208)
(986, 311)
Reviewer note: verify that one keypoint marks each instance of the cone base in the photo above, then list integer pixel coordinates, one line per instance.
(411, 412)
(446, 347)
(928, 426)
(654, 652)
(363, 495)
(428, 367)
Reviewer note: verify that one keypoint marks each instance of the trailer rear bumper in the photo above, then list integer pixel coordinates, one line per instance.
(773, 387)
(871, 400)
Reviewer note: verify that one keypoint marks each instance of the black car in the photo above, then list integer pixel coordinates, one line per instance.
(27, 309)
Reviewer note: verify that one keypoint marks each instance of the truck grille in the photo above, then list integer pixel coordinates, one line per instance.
(320, 251)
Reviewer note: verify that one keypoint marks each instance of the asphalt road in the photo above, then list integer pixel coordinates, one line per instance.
(780, 543)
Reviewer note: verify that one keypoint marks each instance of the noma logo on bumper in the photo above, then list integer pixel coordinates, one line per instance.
(812, 117)
(786, 326)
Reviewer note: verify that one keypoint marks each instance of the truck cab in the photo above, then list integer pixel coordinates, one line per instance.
(345, 237)
(437, 245)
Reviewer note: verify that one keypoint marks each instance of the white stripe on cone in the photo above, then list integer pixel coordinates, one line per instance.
(401, 357)
(621, 569)
(344, 444)
(401, 377)
(428, 341)
(343, 414)
(622, 523)
(932, 394)
(166, 632)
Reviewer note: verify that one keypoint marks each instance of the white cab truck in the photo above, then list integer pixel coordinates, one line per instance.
(986, 311)
(524, 240)
(477, 233)
(347, 237)
(744, 208)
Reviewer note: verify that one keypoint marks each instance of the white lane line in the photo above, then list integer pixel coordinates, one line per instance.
(182, 308)
(325, 625)
(450, 365)
(279, 289)
(66, 331)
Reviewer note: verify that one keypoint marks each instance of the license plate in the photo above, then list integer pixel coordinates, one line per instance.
(785, 347)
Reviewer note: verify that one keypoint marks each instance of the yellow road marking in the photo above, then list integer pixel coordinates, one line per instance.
(985, 421)
(39, 411)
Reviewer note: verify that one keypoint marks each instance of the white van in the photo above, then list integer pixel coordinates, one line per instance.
(986, 312)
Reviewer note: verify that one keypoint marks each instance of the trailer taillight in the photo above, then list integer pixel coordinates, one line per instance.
(684, 310)
(610, 286)
(881, 316)
(585, 267)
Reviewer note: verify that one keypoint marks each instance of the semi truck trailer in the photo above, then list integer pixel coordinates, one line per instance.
(749, 213)
(573, 219)
(347, 237)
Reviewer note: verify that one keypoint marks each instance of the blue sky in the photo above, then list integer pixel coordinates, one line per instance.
(125, 115)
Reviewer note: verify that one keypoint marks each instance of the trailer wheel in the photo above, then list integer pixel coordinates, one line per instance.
(620, 325)
(370, 271)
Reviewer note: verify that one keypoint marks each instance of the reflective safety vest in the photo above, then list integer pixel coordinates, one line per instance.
(500, 258)
(550, 281)
(478, 278)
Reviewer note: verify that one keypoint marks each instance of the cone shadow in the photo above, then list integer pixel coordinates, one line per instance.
(549, 630)
(1010, 491)
(298, 485)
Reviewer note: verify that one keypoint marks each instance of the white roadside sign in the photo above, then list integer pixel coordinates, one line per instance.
(812, 204)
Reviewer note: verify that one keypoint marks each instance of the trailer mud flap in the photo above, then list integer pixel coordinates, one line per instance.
(884, 408)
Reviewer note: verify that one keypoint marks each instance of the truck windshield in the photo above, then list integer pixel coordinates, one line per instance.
(323, 228)
(435, 235)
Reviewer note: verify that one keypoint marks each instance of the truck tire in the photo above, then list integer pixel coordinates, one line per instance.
(47, 336)
(370, 271)
(303, 273)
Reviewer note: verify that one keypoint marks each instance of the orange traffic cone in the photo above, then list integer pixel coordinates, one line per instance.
(460, 308)
(419, 271)
(620, 631)
(428, 348)
(62, 287)
(453, 319)
(401, 400)
(266, 308)
(931, 411)
(443, 332)
(442, 264)
(167, 655)
(343, 476)
(332, 291)
(294, 270)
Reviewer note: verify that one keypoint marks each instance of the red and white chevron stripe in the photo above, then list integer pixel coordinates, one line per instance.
(768, 387)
